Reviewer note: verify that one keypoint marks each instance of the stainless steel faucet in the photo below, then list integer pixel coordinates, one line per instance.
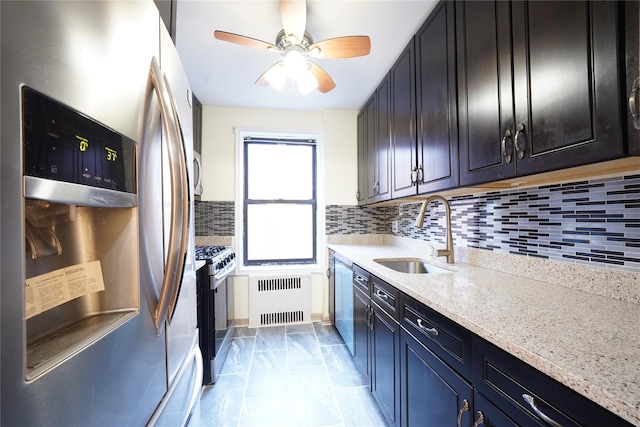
(448, 252)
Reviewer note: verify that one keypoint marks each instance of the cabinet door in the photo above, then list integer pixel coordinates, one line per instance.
(385, 367)
(370, 144)
(383, 140)
(436, 101)
(431, 393)
(403, 124)
(361, 193)
(361, 313)
(377, 136)
(485, 95)
(489, 414)
(566, 80)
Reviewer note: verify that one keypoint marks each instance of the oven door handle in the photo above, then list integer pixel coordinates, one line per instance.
(178, 233)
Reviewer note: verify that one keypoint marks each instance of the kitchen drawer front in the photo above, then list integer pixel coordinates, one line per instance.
(450, 341)
(386, 296)
(504, 379)
(361, 279)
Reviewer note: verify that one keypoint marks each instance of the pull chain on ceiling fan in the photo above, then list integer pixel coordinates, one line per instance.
(296, 46)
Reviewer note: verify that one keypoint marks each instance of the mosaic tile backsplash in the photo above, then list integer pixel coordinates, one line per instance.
(593, 222)
(214, 218)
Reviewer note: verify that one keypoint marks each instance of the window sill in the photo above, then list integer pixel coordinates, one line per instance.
(255, 270)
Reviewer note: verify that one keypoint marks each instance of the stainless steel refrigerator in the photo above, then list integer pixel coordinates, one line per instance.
(97, 285)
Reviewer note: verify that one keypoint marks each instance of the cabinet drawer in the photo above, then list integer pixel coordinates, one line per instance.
(361, 279)
(386, 296)
(504, 380)
(447, 339)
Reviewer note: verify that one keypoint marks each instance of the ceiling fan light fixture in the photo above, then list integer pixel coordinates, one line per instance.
(276, 76)
(307, 82)
(295, 63)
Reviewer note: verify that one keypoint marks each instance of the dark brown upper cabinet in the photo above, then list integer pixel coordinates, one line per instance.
(377, 136)
(437, 121)
(538, 87)
(404, 164)
(423, 109)
(361, 192)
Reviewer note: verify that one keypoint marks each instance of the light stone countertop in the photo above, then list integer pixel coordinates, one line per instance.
(588, 342)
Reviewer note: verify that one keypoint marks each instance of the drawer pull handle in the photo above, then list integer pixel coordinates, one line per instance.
(534, 405)
(382, 295)
(479, 420)
(432, 331)
(464, 408)
(360, 279)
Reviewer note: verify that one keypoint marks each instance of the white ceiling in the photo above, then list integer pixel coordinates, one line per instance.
(223, 74)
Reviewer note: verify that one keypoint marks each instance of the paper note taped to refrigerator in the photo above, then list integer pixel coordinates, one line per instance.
(59, 286)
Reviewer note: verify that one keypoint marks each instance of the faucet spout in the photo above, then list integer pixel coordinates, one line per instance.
(448, 252)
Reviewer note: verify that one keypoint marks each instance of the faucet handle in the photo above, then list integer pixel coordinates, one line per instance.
(434, 251)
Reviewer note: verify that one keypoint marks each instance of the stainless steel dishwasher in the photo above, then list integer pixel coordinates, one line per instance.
(344, 300)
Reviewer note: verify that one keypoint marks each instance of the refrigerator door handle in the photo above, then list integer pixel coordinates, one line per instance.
(183, 204)
(176, 251)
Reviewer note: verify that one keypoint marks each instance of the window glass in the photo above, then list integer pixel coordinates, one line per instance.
(280, 231)
(280, 202)
(279, 171)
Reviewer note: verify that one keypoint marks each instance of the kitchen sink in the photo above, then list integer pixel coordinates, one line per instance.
(411, 266)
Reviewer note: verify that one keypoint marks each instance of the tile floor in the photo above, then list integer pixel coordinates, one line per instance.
(297, 375)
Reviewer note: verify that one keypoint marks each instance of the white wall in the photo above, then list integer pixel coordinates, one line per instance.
(337, 127)
(338, 130)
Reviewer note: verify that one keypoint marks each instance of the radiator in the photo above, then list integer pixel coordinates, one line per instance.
(279, 300)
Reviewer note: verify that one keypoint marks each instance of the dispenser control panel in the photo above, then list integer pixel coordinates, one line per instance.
(65, 145)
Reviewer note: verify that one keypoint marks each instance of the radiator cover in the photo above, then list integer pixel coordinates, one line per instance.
(279, 300)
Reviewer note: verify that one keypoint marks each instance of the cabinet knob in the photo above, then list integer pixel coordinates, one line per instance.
(507, 138)
(414, 176)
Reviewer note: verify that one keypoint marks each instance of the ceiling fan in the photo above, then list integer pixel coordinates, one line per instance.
(296, 46)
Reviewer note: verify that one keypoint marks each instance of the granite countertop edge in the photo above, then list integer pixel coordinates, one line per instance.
(588, 342)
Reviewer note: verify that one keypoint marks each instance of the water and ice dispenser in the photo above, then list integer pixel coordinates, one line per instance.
(80, 229)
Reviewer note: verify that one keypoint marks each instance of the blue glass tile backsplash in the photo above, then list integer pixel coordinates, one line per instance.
(595, 222)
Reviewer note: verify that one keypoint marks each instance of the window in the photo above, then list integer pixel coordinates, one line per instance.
(280, 201)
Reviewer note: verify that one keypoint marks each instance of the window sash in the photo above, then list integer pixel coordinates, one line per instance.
(282, 255)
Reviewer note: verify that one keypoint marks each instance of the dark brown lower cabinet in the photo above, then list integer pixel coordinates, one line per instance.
(424, 370)
(431, 393)
(487, 414)
(361, 313)
(385, 363)
(376, 352)
(528, 396)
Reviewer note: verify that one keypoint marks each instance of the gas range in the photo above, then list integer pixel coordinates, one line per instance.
(220, 260)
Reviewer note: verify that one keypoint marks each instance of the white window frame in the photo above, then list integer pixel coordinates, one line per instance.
(241, 134)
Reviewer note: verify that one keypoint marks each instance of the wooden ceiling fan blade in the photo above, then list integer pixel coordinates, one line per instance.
(325, 82)
(341, 47)
(244, 40)
(294, 18)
